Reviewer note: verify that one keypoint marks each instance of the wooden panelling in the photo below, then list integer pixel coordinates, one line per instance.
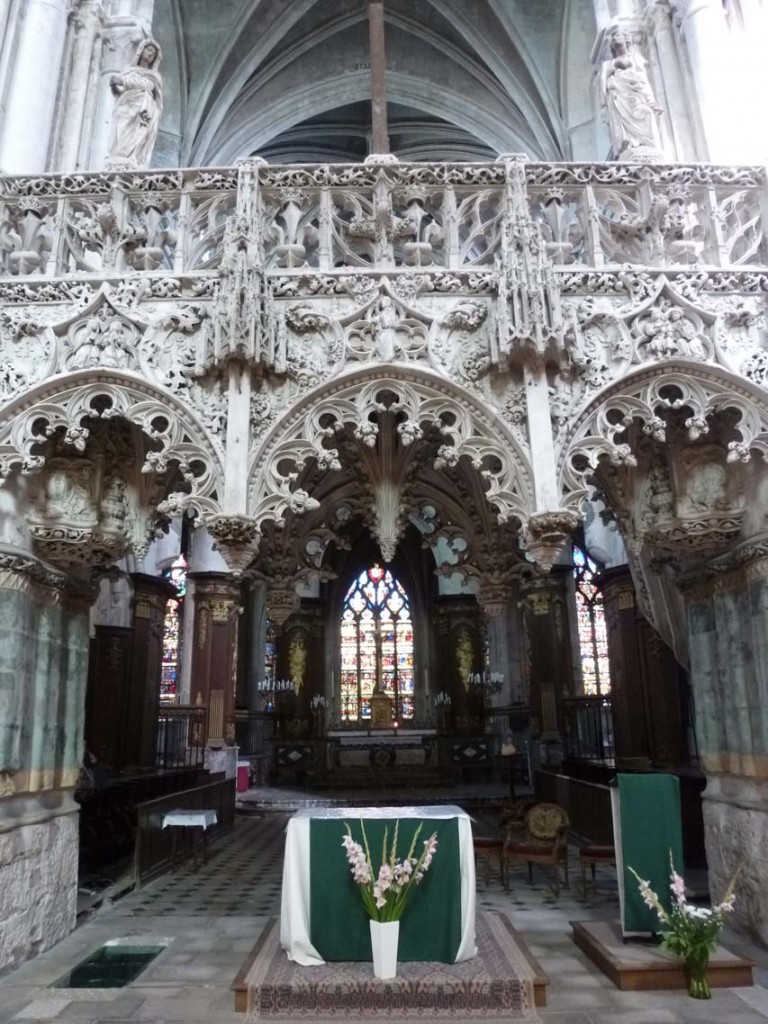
(588, 804)
(153, 843)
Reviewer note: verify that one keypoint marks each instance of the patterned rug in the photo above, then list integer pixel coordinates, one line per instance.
(496, 985)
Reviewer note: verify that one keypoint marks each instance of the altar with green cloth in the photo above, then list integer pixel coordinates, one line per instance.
(322, 914)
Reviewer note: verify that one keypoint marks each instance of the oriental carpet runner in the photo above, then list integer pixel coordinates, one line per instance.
(496, 985)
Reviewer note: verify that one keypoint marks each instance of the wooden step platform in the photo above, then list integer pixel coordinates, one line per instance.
(503, 982)
(635, 966)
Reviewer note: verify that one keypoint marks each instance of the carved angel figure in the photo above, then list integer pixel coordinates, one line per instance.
(138, 105)
(631, 110)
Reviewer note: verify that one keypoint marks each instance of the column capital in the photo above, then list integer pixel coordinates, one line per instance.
(27, 573)
(659, 15)
(745, 563)
(237, 539)
(545, 535)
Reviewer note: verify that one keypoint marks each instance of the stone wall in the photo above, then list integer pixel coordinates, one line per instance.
(38, 883)
(736, 835)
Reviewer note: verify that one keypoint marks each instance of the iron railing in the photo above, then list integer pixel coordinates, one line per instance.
(180, 737)
(588, 726)
(253, 732)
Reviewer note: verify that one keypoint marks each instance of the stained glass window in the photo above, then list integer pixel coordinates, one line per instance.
(169, 682)
(269, 652)
(593, 637)
(376, 646)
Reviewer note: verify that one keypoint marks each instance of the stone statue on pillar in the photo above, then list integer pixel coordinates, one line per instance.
(630, 107)
(138, 95)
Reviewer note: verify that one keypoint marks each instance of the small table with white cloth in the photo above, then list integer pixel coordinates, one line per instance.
(199, 820)
(316, 875)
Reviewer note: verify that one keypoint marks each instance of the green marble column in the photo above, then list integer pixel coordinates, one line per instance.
(727, 618)
(43, 673)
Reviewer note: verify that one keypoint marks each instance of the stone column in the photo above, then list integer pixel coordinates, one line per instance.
(676, 95)
(708, 45)
(10, 29)
(150, 597)
(214, 653)
(548, 657)
(727, 614)
(26, 131)
(79, 85)
(43, 672)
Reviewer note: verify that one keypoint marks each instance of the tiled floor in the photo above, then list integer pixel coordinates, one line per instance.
(211, 919)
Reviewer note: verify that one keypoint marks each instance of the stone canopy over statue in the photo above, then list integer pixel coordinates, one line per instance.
(138, 95)
(629, 104)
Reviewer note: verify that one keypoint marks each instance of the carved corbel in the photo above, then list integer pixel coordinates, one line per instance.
(545, 535)
(237, 539)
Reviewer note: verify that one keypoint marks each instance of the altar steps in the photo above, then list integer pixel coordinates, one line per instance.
(504, 982)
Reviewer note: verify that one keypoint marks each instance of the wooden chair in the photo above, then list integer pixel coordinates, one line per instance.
(589, 857)
(489, 847)
(546, 843)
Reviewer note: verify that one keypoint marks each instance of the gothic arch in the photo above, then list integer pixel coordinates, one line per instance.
(470, 430)
(67, 401)
(246, 129)
(704, 389)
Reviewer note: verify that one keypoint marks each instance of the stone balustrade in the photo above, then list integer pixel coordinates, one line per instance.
(330, 219)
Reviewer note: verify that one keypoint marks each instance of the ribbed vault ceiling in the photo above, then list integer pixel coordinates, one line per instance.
(289, 79)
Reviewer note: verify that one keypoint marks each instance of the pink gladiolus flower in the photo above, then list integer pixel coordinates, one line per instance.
(678, 888)
(357, 860)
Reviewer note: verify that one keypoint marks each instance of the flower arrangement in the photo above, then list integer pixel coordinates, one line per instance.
(690, 932)
(385, 892)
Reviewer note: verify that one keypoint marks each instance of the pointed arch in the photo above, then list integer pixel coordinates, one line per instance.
(645, 395)
(422, 398)
(67, 401)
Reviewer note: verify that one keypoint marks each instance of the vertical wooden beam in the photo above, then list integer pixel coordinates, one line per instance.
(378, 55)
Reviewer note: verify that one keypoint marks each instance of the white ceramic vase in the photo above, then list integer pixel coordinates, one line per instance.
(384, 938)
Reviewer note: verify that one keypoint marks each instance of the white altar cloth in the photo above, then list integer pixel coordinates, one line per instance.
(294, 903)
(190, 819)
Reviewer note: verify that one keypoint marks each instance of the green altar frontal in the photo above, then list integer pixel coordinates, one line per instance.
(430, 928)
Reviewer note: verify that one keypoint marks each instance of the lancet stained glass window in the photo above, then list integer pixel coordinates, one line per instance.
(593, 637)
(169, 681)
(376, 646)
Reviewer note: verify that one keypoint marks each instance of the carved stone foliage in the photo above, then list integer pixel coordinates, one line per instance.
(236, 538)
(88, 501)
(309, 434)
(238, 307)
(69, 410)
(668, 320)
(667, 452)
